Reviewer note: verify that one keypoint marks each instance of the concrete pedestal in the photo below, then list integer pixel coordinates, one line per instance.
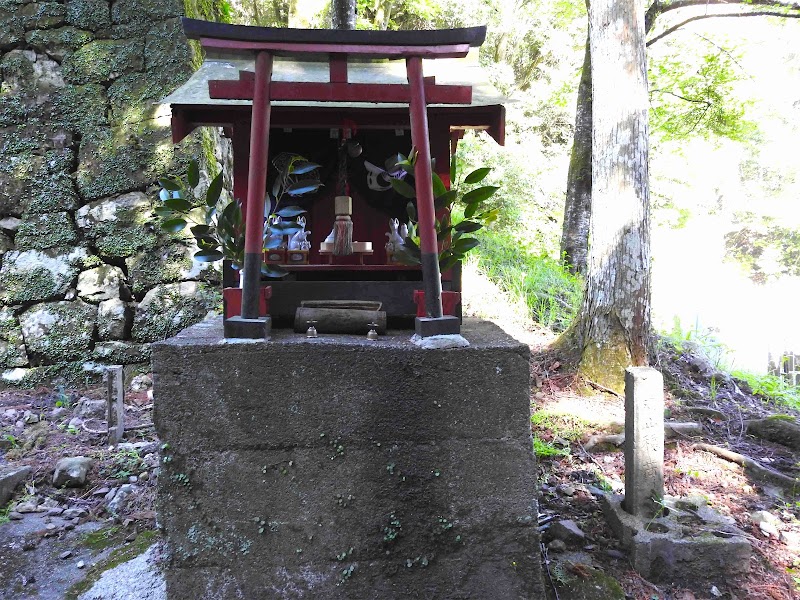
(341, 468)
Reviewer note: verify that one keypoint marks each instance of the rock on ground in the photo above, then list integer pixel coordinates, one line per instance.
(137, 579)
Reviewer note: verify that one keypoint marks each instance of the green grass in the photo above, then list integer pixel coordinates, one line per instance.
(771, 388)
(551, 294)
(544, 449)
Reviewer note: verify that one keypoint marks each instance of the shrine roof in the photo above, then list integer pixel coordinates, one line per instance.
(447, 71)
(199, 30)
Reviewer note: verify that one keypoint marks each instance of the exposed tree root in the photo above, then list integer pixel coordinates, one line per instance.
(671, 430)
(754, 468)
(779, 429)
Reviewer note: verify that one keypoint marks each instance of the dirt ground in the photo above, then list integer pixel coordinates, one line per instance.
(567, 418)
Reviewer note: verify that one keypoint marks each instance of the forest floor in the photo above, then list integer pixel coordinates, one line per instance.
(56, 542)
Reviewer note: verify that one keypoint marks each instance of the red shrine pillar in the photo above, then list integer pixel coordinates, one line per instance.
(250, 324)
(434, 323)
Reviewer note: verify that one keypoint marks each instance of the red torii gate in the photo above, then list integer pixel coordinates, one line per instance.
(266, 43)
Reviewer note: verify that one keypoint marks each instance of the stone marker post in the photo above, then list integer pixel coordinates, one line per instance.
(644, 441)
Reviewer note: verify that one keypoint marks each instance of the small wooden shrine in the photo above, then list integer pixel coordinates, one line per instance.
(377, 94)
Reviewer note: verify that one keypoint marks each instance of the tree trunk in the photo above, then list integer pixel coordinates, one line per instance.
(577, 206)
(613, 328)
(343, 14)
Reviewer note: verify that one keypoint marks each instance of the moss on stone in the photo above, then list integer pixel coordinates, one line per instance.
(166, 63)
(13, 110)
(101, 61)
(116, 558)
(118, 160)
(58, 42)
(59, 331)
(132, 98)
(28, 286)
(17, 73)
(39, 232)
(605, 364)
(42, 15)
(81, 108)
(167, 309)
(34, 275)
(122, 353)
(52, 187)
(164, 264)
(130, 11)
(89, 14)
(208, 10)
(73, 372)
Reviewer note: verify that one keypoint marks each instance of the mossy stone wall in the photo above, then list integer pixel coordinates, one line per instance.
(86, 276)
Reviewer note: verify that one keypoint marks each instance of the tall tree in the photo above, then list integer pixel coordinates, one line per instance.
(613, 328)
(577, 208)
(343, 14)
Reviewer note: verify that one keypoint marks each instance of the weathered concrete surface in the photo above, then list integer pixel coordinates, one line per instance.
(644, 441)
(687, 543)
(341, 468)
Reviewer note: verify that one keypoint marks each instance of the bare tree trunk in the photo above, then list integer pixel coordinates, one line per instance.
(343, 14)
(613, 328)
(577, 206)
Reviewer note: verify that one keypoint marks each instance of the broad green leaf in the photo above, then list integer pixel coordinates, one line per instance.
(439, 188)
(173, 225)
(208, 255)
(290, 211)
(470, 211)
(453, 166)
(303, 187)
(272, 271)
(411, 244)
(198, 230)
(411, 211)
(403, 188)
(193, 174)
(169, 183)
(178, 204)
(214, 190)
(301, 167)
(205, 242)
(445, 200)
(477, 175)
(479, 194)
(468, 226)
(163, 211)
(276, 186)
(465, 244)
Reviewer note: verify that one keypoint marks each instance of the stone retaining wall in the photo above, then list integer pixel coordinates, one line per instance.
(86, 276)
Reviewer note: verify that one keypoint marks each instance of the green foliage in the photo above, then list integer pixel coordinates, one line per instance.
(462, 208)
(544, 449)
(772, 388)
(764, 247)
(550, 292)
(697, 340)
(694, 95)
(218, 226)
(124, 463)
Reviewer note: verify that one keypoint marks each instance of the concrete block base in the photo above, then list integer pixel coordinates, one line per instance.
(687, 543)
(430, 326)
(342, 468)
(253, 329)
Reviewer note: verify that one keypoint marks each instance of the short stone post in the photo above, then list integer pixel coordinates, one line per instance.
(115, 408)
(644, 441)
